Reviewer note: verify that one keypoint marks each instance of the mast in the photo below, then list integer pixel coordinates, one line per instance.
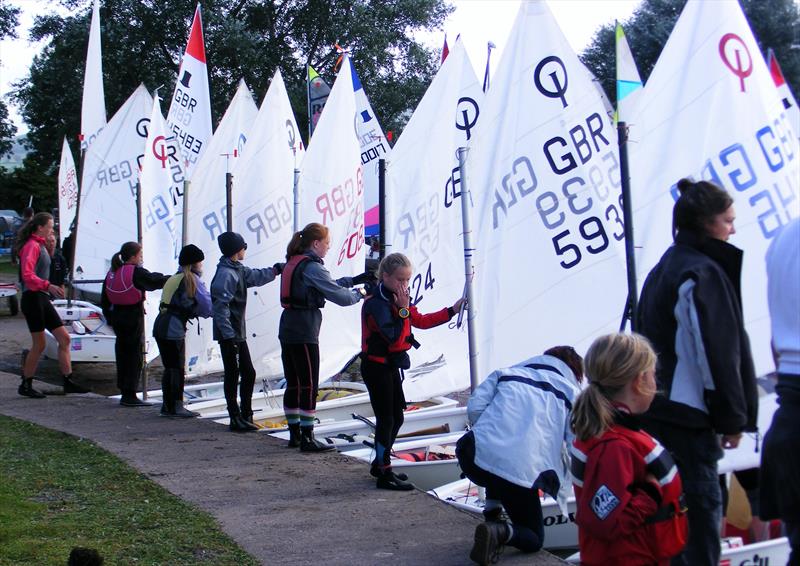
(468, 268)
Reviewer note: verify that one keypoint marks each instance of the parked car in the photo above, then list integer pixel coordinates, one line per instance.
(10, 222)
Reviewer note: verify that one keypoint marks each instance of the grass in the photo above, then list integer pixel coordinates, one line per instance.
(58, 492)
(6, 268)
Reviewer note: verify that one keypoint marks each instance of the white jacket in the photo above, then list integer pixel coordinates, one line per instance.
(520, 419)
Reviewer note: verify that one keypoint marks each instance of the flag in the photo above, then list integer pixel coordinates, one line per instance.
(93, 108)
(629, 85)
(445, 50)
(318, 93)
(67, 191)
(189, 117)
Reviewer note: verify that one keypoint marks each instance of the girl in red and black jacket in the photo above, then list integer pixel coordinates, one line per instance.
(627, 485)
(386, 321)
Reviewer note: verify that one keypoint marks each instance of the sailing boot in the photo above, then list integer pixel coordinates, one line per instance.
(26, 389)
(388, 480)
(310, 444)
(490, 537)
(179, 411)
(129, 399)
(72, 387)
(294, 436)
(237, 423)
(375, 469)
(167, 402)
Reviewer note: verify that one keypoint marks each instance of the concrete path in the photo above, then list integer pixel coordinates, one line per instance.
(280, 505)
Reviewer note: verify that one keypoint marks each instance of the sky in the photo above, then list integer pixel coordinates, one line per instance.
(478, 22)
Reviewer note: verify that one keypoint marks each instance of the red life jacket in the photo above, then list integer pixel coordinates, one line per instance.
(119, 286)
(663, 534)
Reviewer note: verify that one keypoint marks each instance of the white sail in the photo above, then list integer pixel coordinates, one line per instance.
(710, 110)
(373, 148)
(93, 108)
(332, 193)
(206, 214)
(67, 191)
(424, 208)
(784, 92)
(189, 117)
(263, 187)
(108, 189)
(160, 236)
(544, 172)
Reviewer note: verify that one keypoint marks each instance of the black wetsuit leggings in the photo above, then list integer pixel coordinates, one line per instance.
(388, 401)
(301, 369)
(128, 325)
(236, 361)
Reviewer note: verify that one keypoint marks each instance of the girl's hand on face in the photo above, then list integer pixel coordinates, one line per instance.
(401, 297)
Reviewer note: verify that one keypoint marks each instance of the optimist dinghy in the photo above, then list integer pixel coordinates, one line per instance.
(91, 338)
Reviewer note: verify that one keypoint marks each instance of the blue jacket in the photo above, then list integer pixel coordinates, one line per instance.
(229, 297)
(170, 324)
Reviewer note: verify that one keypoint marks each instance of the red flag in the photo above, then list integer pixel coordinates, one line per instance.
(775, 69)
(445, 50)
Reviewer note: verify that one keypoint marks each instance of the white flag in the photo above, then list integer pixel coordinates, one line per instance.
(263, 188)
(67, 191)
(189, 117)
(93, 109)
(332, 193)
(711, 111)
(545, 175)
(424, 208)
(206, 217)
(629, 84)
(160, 235)
(108, 189)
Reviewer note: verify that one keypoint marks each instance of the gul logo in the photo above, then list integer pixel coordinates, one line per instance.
(553, 68)
(756, 560)
(465, 107)
(731, 47)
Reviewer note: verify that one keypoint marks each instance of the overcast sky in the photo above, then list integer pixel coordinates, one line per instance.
(478, 21)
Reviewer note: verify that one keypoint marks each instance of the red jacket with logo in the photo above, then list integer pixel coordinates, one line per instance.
(623, 516)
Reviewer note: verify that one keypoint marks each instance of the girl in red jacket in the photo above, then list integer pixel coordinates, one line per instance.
(627, 486)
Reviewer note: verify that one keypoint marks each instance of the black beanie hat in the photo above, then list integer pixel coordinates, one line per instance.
(190, 255)
(230, 243)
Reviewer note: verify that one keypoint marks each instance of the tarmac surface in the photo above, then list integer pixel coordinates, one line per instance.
(279, 505)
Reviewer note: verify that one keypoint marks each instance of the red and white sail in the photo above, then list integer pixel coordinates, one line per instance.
(67, 191)
(189, 117)
(93, 108)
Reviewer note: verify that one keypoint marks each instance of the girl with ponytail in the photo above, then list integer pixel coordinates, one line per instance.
(122, 299)
(627, 487)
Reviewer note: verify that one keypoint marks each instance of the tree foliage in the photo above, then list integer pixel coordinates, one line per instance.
(143, 41)
(775, 24)
(9, 19)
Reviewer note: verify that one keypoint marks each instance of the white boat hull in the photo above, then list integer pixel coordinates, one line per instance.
(91, 338)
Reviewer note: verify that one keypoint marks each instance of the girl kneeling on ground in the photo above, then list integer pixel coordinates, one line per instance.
(627, 487)
(386, 321)
(184, 297)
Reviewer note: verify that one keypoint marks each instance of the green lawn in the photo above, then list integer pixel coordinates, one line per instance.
(6, 268)
(58, 492)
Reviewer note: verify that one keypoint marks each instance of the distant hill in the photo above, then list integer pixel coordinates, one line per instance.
(18, 152)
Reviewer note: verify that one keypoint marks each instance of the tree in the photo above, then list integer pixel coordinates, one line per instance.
(9, 19)
(775, 24)
(143, 42)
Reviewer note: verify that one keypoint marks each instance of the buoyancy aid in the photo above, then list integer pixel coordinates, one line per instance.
(665, 531)
(292, 295)
(174, 285)
(119, 286)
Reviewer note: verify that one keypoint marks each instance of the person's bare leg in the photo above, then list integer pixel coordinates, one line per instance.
(34, 354)
(64, 358)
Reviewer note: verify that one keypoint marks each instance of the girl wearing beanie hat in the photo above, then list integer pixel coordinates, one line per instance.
(184, 297)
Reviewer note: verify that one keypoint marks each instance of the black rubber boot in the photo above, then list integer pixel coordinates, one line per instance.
(237, 423)
(167, 402)
(310, 444)
(490, 537)
(72, 387)
(129, 399)
(26, 389)
(375, 470)
(294, 436)
(179, 411)
(388, 480)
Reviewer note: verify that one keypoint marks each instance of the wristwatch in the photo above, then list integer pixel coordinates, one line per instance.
(403, 312)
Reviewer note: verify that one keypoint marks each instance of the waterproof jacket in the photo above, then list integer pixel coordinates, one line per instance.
(34, 265)
(177, 308)
(520, 417)
(623, 516)
(143, 280)
(385, 337)
(691, 311)
(229, 297)
(301, 325)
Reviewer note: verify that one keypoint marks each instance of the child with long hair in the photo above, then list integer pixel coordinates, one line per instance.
(627, 486)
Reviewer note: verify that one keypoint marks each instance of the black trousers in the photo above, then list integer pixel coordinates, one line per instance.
(129, 328)
(173, 354)
(236, 361)
(522, 504)
(388, 401)
(301, 368)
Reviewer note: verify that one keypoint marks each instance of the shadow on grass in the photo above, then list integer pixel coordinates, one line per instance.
(58, 492)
